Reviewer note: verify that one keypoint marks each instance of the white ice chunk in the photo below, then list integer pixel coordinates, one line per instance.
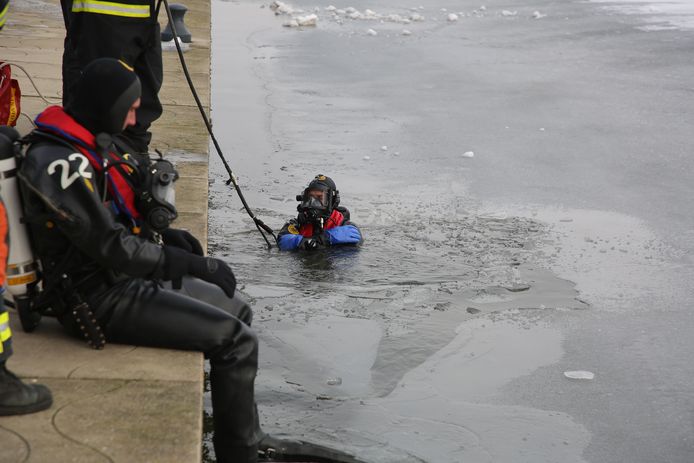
(452, 17)
(468, 154)
(308, 20)
(370, 14)
(350, 9)
(416, 17)
(355, 15)
(508, 13)
(340, 11)
(396, 18)
(384, 148)
(281, 8)
(538, 15)
(579, 374)
(366, 158)
(406, 32)
(482, 8)
(330, 8)
(291, 23)
(372, 32)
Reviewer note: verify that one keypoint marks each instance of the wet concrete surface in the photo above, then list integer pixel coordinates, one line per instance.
(425, 345)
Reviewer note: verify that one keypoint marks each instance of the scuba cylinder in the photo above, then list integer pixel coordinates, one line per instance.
(22, 267)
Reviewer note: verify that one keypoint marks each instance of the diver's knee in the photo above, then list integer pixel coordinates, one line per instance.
(242, 310)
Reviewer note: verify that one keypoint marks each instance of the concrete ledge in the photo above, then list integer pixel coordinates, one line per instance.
(123, 403)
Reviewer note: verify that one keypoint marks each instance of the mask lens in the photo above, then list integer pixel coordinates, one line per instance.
(320, 196)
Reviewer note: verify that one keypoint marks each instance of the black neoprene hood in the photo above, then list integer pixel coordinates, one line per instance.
(105, 92)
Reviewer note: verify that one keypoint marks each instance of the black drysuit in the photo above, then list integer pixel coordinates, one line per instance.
(118, 274)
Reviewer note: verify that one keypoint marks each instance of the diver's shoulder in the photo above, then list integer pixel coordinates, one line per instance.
(42, 147)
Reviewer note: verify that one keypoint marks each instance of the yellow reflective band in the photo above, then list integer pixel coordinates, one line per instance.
(5, 334)
(4, 318)
(131, 69)
(111, 8)
(3, 14)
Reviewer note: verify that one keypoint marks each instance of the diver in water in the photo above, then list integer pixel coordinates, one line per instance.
(321, 221)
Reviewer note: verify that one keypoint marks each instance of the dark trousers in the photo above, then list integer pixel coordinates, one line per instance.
(136, 41)
(199, 317)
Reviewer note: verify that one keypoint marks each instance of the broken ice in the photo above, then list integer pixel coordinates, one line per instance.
(302, 21)
(579, 374)
(334, 381)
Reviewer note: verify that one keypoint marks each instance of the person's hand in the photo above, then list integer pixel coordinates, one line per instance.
(178, 263)
(182, 239)
(346, 234)
(214, 271)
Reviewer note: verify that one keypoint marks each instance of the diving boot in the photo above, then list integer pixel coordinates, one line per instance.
(274, 449)
(18, 398)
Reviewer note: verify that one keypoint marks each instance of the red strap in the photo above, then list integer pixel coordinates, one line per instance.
(54, 119)
(335, 220)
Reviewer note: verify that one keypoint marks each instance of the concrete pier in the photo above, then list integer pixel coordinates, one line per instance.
(123, 403)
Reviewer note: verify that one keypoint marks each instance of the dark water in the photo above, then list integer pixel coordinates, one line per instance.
(414, 347)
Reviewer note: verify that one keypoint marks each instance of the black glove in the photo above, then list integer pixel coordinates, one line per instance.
(179, 262)
(309, 244)
(182, 239)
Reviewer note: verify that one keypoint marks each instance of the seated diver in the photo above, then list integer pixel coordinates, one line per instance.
(321, 221)
(104, 250)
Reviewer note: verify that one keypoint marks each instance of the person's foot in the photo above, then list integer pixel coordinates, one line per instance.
(272, 448)
(18, 398)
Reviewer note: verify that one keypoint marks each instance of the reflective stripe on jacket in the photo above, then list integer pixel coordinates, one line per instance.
(4, 6)
(128, 9)
(5, 332)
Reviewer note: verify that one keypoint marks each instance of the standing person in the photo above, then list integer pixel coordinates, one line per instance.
(126, 30)
(16, 397)
(321, 221)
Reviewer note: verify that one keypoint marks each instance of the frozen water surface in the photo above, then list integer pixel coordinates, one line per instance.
(567, 244)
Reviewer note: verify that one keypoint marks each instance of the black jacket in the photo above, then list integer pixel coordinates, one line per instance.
(72, 230)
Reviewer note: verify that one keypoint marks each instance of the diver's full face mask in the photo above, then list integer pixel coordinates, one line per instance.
(315, 205)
